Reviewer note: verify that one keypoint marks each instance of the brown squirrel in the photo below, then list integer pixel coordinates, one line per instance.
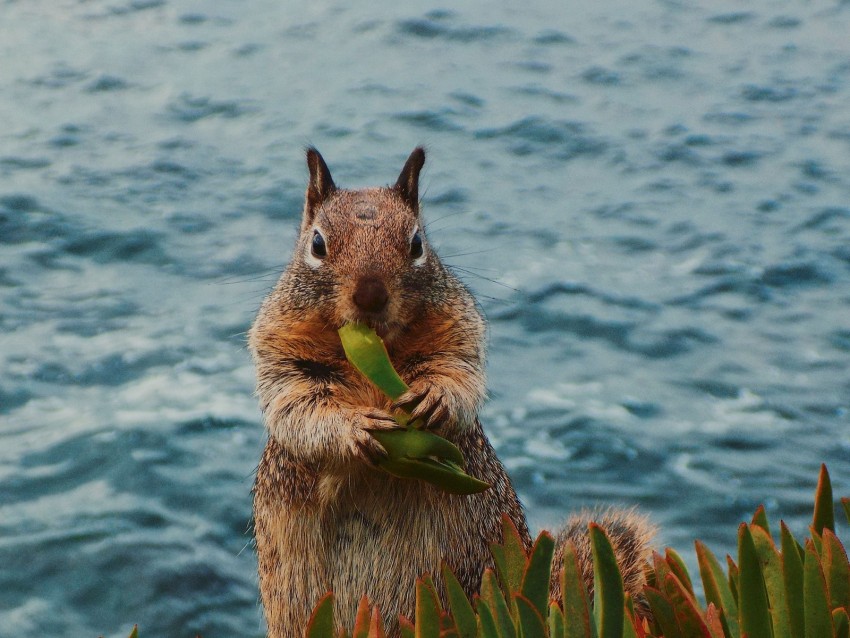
(325, 518)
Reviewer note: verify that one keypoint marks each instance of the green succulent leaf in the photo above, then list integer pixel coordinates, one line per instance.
(366, 352)
(535, 580)
(461, 609)
(576, 600)
(135, 632)
(772, 570)
(531, 622)
(679, 569)
(845, 503)
(510, 557)
(841, 623)
(411, 453)
(406, 628)
(441, 473)
(792, 577)
(687, 615)
(427, 611)
(717, 626)
(662, 613)
(818, 620)
(753, 605)
(716, 588)
(824, 516)
(734, 579)
(760, 519)
(836, 570)
(630, 629)
(321, 623)
(486, 621)
(413, 444)
(555, 621)
(492, 595)
(609, 597)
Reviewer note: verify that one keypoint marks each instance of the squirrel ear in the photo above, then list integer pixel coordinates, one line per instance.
(321, 184)
(407, 184)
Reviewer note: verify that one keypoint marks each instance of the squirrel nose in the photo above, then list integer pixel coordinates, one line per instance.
(371, 294)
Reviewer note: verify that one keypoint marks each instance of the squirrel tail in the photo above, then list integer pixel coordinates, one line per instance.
(630, 534)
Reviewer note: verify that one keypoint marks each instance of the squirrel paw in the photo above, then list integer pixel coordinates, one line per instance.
(428, 401)
(363, 445)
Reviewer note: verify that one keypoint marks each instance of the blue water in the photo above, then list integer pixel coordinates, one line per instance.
(651, 200)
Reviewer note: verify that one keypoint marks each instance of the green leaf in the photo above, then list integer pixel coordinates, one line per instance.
(447, 624)
(716, 587)
(406, 628)
(510, 557)
(818, 620)
(321, 623)
(366, 352)
(486, 622)
(416, 444)
(660, 568)
(836, 571)
(792, 577)
(824, 516)
(753, 607)
(135, 632)
(771, 566)
(411, 453)
(440, 473)
(845, 503)
(427, 611)
(361, 622)
(578, 620)
(685, 611)
(492, 595)
(679, 569)
(715, 622)
(662, 613)
(608, 596)
(630, 629)
(733, 579)
(462, 612)
(535, 580)
(555, 621)
(841, 623)
(760, 519)
(530, 621)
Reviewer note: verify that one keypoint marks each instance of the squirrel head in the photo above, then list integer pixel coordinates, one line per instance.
(362, 254)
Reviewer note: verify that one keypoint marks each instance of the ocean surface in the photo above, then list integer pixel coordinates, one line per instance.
(650, 200)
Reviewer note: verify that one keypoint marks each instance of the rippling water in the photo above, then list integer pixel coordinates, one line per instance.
(652, 203)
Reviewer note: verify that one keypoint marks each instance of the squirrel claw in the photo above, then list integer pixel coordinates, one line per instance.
(362, 444)
(367, 448)
(376, 419)
(428, 405)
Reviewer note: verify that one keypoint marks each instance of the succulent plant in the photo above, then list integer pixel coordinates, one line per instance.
(774, 590)
(784, 590)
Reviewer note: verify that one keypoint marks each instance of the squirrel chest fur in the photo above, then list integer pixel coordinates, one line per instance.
(325, 518)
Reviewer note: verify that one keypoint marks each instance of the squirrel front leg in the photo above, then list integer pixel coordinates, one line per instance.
(313, 426)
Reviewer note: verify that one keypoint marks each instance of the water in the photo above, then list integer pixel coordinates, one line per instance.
(658, 192)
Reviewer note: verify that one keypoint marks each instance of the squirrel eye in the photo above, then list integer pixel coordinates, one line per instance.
(416, 245)
(318, 248)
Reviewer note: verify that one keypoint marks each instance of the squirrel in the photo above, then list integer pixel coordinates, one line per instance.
(325, 518)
